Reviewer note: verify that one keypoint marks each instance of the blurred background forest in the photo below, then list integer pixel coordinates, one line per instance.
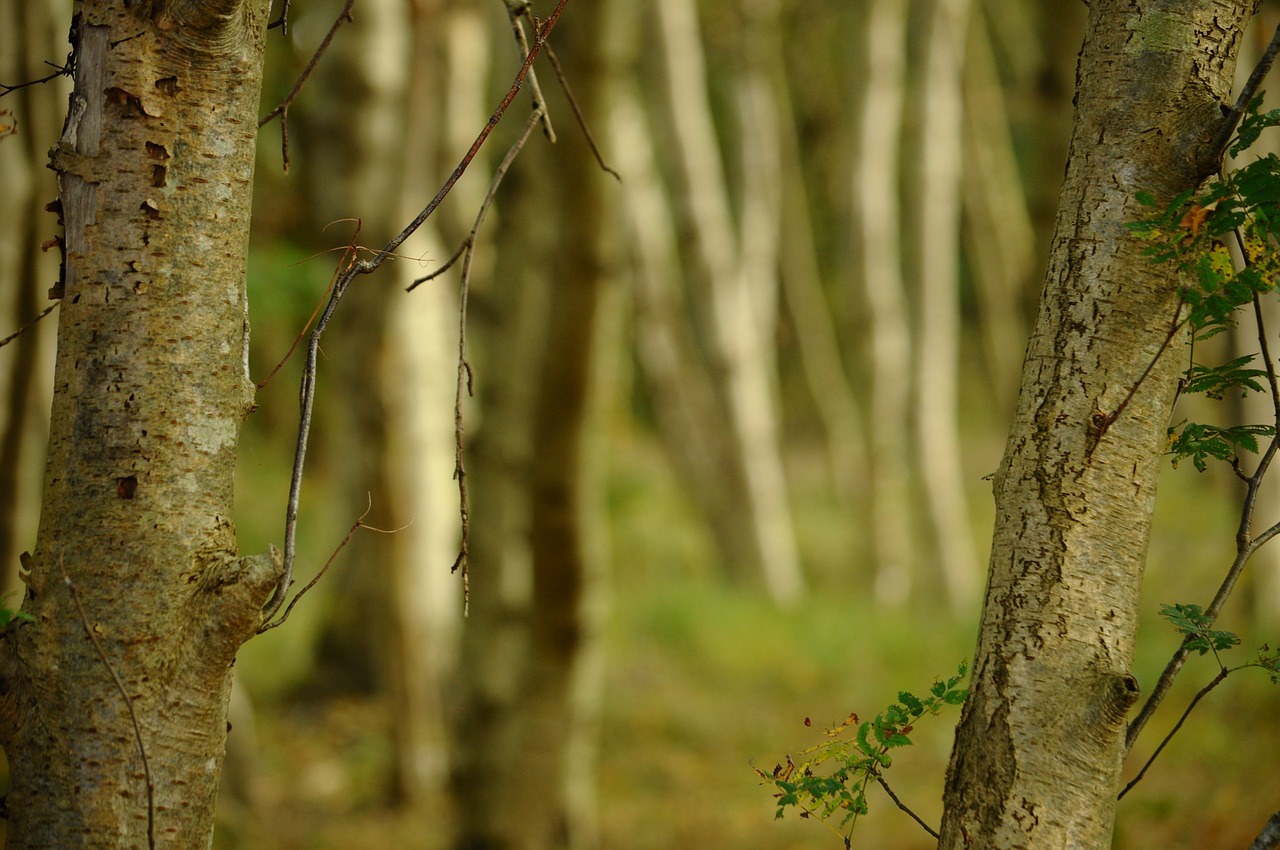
(731, 422)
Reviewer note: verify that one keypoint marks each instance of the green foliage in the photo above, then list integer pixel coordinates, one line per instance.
(12, 615)
(1191, 621)
(831, 778)
(1201, 442)
(1189, 234)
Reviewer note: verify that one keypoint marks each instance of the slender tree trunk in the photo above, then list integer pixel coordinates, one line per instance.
(740, 297)
(1038, 751)
(29, 36)
(999, 241)
(876, 223)
(937, 271)
(137, 596)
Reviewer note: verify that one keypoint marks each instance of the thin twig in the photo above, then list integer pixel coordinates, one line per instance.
(464, 378)
(348, 274)
(283, 21)
(64, 70)
(574, 105)
(20, 331)
(579, 116)
(283, 108)
(1201, 694)
(358, 524)
(903, 806)
(516, 9)
(347, 253)
(133, 715)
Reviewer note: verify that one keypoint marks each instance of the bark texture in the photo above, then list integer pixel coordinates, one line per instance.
(136, 547)
(1038, 751)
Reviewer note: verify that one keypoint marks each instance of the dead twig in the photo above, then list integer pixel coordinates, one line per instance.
(283, 108)
(20, 331)
(349, 271)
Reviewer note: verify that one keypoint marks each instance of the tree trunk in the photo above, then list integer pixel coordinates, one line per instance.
(936, 208)
(738, 296)
(877, 223)
(1038, 750)
(28, 37)
(138, 598)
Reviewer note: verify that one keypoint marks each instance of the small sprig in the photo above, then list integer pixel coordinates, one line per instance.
(832, 777)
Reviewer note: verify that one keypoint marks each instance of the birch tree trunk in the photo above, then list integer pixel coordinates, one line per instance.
(29, 37)
(937, 273)
(1037, 756)
(138, 597)
(741, 289)
(876, 224)
(524, 764)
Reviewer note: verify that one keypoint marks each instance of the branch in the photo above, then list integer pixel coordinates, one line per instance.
(20, 331)
(1269, 837)
(1201, 694)
(348, 274)
(467, 251)
(128, 703)
(1212, 158)
(577, 110)
(358, 524)
(516, 9)
(283, 108)
(903, 806)
(1246, 543)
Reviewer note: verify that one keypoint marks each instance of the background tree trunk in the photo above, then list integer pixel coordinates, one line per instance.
(1037, 755)
(135, 575)
(30, 34)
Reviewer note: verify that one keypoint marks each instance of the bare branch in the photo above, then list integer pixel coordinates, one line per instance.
(349, 271)
(358, 524)
(1201, 694)
(903, 806)
(283, 108)
(1269, 837)
(20, 331)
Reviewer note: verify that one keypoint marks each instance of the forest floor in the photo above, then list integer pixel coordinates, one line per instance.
(705, 680)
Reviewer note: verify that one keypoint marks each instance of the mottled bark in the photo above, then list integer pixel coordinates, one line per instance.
(155, 166)
(1038, 750)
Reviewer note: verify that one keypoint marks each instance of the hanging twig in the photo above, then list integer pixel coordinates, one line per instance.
(517, 9)
(573, 104)
(283, 108)
(128, 703)
(349, 272)
(466, 252)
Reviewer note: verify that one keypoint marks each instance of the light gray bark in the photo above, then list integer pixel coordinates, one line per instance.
(1037, 757)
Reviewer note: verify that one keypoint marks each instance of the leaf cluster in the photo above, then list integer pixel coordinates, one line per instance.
(1191, 621)
(1190, 233)
(831, 778)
